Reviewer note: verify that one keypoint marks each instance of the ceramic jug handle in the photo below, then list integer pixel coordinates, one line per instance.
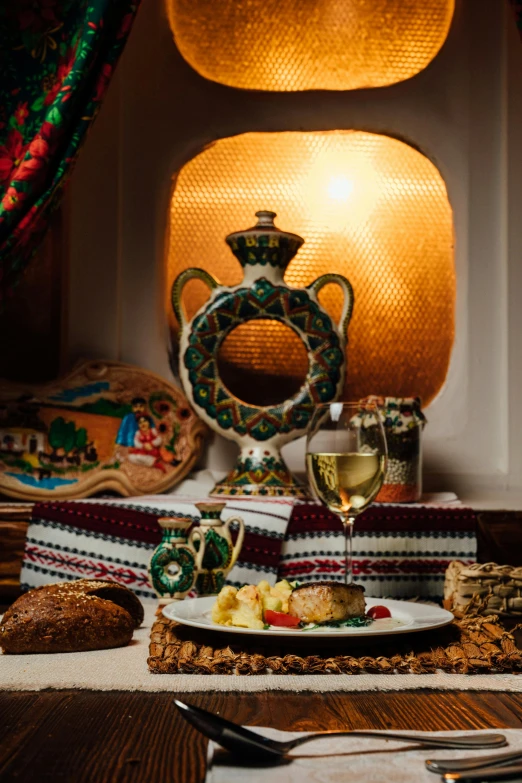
(240, 536)
(346, 286)
(197, 531)
(177, 289)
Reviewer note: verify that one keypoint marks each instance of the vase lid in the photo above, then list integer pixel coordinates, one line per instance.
(265, 224)
(264, 242)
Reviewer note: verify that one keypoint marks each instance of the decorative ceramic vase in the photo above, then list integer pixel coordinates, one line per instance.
(175, 563)
(220, 553)
(264, 253)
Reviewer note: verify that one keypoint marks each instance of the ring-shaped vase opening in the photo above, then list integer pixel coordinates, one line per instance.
(264, 377)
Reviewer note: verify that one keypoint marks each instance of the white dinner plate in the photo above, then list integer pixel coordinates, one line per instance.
(406, 617)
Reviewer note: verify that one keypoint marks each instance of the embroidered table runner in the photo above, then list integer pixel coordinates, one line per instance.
(399, 551)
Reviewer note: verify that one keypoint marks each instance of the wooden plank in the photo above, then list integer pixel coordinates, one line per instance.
(13, 529)
(109, 737)
(499, 537)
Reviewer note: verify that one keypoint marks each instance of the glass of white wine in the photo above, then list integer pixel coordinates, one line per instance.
(346, 462)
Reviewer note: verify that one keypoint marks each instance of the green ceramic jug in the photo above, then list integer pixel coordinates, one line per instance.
(176, 562)
(220, 552)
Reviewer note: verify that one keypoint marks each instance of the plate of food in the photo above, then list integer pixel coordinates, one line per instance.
(325, 609)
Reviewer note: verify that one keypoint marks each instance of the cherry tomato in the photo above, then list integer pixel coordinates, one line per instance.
(378, 612)
(280, 618)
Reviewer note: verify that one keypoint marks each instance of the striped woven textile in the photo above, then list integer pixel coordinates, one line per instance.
(115, 539)
(400, 551)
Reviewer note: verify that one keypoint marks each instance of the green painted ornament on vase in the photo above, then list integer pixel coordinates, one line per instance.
(220, 552)
(176, 561)
(264, 252)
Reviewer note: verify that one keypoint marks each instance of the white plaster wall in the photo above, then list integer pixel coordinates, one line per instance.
(464, 112)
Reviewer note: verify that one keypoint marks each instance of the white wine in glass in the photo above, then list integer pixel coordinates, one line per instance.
(346, 462)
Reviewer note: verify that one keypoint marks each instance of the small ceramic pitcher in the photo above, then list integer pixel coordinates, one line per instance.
(176, 561)
(220, 553)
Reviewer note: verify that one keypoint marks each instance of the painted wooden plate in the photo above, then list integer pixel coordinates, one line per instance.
(105, 426)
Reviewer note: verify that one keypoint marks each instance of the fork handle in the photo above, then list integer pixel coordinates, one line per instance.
(440, 766)
(486, 773)
(465, 741)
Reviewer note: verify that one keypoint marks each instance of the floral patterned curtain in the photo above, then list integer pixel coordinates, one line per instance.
(56, 60)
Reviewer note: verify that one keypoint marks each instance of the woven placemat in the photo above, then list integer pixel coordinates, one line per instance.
(469, 645)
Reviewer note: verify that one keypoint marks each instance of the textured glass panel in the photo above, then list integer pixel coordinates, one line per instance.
(262, 376)
(309, 44)
(368, 206)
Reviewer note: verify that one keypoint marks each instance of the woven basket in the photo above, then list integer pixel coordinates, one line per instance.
(483, 588)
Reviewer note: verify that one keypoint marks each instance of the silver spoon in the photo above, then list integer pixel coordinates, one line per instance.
(255, 747)
(440, 766)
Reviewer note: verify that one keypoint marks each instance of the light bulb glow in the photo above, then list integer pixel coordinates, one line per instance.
(340, 188)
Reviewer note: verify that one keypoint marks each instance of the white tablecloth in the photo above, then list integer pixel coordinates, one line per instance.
(338, 759)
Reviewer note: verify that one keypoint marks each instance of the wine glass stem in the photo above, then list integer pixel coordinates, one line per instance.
(348, 549)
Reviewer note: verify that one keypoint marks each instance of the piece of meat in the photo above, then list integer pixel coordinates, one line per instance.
(322, 602)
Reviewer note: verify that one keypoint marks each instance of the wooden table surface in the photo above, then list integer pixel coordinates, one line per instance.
(110, 737)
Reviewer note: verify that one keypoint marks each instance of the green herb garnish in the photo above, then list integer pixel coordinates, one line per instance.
(351, 622)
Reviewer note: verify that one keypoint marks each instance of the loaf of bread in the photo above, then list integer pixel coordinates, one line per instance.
(71, 617)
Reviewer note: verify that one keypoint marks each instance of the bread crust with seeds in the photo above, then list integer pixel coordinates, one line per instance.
(71, 617)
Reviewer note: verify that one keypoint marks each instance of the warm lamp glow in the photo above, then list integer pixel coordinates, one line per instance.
(368, 206)
(340, 188)
(309, 44)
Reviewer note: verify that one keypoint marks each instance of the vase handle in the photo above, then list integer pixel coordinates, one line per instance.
(347, 289)
(200, 553)
(177, 289)
(240, 537)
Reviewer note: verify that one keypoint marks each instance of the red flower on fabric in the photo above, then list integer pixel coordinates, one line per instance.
(40, 150)
(24, 223)
(31, 225)
(36, 16)
(126, 24)
(11, 154)
(103, 81)
(21, 113)
(62, 72)
(12, 199)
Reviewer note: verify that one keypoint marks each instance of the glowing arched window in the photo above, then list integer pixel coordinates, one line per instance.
(368, 206)
(309, 44)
